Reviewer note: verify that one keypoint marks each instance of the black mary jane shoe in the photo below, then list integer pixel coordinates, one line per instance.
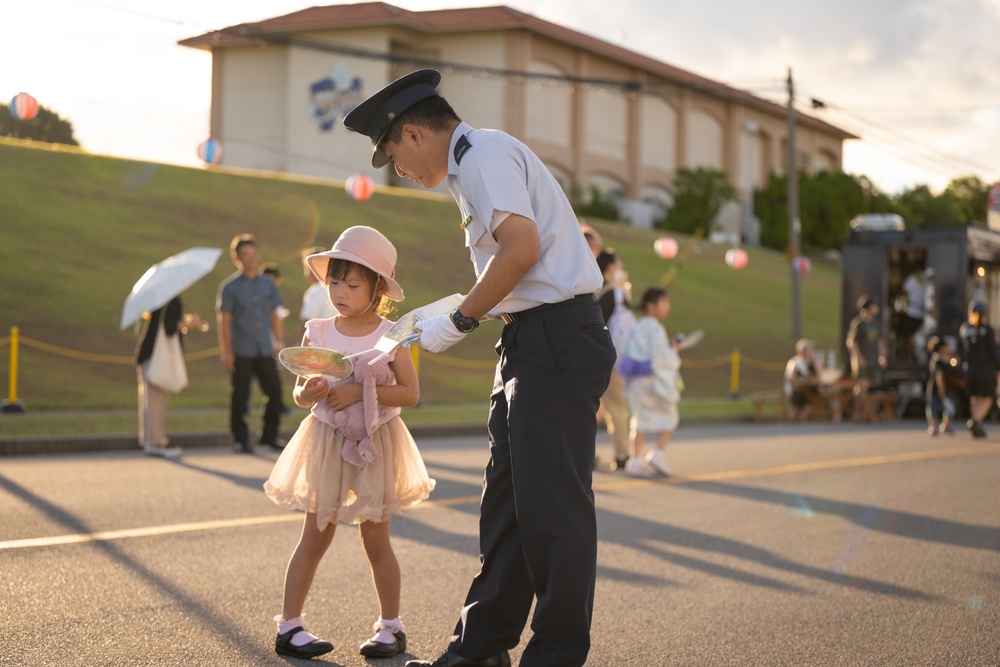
(374, 649)
(283, 646)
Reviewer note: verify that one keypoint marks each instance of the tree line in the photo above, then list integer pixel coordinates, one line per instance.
(827, 203)
(46, 126)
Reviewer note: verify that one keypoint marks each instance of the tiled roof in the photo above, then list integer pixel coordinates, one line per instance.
(470, 19)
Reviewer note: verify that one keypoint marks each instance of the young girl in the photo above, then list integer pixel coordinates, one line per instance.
(312, 474)
(653, 398)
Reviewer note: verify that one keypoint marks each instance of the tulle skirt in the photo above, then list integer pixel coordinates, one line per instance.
(310, 475)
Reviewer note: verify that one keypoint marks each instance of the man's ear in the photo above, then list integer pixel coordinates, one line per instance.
(413, 132)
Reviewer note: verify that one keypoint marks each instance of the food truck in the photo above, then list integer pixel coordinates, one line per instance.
(958, 264)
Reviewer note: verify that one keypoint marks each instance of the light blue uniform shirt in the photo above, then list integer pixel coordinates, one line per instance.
(497, 176)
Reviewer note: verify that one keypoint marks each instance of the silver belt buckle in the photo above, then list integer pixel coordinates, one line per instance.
(507, 318)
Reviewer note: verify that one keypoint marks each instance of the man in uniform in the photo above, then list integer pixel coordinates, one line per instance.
(538, 534)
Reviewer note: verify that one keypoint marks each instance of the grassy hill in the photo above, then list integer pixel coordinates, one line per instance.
(77, 230)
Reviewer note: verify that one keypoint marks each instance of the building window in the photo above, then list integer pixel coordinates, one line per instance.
(704, 141)
(550, 109)
(659, 134)
(607, 120)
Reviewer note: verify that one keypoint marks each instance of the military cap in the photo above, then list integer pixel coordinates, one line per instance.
(374, 116)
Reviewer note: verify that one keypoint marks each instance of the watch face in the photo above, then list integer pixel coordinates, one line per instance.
(462, 323)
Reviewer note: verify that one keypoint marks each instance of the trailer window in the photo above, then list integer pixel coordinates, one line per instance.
(907, 289)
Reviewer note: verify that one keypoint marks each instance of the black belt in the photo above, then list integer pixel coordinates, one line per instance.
(514, 317)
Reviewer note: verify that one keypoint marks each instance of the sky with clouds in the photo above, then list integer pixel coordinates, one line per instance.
(918, 80)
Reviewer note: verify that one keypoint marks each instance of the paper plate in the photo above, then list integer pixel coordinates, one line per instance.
(315, 361)
(691, 339)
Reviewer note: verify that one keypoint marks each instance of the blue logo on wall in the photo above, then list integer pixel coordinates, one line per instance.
(334, 96)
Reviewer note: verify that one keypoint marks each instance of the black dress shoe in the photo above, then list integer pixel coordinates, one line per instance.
(242, 448)
(449, 659)
(283, 646)
(374, 649)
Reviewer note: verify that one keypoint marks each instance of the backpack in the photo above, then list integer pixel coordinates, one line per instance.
(620, 323)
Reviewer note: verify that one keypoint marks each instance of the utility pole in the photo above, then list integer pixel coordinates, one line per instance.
(794, 225)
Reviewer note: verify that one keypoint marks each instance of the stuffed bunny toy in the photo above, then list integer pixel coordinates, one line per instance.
(357, 422)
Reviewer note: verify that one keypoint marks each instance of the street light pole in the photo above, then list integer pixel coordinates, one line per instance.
(749, 155)
(794, 225)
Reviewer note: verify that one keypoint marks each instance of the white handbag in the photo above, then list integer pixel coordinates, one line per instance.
(166, 368)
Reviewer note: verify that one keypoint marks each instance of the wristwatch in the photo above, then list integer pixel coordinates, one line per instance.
(463, 323)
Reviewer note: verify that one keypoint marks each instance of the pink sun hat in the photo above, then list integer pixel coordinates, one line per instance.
(365, 246)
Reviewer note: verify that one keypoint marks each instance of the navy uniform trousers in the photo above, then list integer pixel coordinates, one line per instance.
(537, 526)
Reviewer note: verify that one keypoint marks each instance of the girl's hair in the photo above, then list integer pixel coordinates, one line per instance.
(337, 269)
(651, 296)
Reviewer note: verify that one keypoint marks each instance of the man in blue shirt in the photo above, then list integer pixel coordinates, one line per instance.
(250, 335)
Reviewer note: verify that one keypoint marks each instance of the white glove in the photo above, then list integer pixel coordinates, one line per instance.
(438, 333)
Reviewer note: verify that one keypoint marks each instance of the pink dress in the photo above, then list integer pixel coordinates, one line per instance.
(312, 476)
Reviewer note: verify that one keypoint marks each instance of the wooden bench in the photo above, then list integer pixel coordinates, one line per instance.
(876, 407)
(830, 404)
(765, 398)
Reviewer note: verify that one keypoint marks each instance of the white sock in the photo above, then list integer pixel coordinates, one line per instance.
(384, 630)
(300, 638)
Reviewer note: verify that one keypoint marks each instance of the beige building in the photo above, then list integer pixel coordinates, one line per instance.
(597, 114)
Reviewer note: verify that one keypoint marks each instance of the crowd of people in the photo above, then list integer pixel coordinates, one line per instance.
(571, 336)
(955, 380)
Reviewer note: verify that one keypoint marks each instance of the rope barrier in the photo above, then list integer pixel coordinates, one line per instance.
(74, 354)
(763, 365)
(103, 358)
(735, 361)
(706, 363)
(443, 360)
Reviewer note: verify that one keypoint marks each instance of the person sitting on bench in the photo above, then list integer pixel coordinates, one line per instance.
(802, 379)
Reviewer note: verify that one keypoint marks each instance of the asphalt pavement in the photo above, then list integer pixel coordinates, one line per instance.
(774, 544)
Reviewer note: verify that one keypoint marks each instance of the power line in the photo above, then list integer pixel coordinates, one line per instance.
(903, 144)
(283, 152)
(918, 109)
(904, 149)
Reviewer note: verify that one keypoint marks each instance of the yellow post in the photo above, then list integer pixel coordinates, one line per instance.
(734, 373)
(12, 404)
(415, 356)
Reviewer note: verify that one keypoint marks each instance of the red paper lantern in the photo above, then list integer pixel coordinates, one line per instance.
(665, 247)
(737, 258)
(802, 265)
(23, 107)
(360, 187)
